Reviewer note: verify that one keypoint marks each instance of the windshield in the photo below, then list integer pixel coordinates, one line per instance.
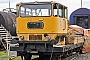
(35, 10)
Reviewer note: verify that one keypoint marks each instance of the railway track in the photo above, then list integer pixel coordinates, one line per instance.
(73, 57)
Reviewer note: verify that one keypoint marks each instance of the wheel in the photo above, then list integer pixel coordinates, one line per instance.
(10, 58)
(27, 56)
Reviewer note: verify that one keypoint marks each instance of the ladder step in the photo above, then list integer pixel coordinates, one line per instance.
(1, 27)
(8, 39)
(4, 36)
(3, 31)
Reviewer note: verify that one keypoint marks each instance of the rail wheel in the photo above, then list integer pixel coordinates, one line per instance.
(47, 57)
(10, 59)
(27, 56)
(44, 57)
(55, 57)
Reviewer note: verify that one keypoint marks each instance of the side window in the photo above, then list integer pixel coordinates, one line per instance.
(60, 11)
(56, 10)
(64, 12)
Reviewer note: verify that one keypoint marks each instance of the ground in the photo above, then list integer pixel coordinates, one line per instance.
(4, 56)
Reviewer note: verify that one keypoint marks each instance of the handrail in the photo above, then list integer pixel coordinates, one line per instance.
(65, 24)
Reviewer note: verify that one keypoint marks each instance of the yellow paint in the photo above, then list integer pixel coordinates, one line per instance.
(53, 26)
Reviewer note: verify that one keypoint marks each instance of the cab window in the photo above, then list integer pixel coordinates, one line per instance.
(56, 10)
(62, 11)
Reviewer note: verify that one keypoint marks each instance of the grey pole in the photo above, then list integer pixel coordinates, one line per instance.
(9, 3)
(81, 3)
(9, 7)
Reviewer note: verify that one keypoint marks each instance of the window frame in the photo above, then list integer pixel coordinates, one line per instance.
(34, 16)
(64, 12)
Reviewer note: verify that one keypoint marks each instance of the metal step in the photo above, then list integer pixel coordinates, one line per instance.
(1, 27)
(3, 31)
(4, 36)
(7, 39)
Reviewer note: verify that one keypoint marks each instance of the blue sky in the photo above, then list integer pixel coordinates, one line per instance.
(71, 4)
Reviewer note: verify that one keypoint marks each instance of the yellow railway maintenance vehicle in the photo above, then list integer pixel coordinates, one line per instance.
(42, 30)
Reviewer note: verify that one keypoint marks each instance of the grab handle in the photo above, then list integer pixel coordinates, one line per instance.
(65, 24)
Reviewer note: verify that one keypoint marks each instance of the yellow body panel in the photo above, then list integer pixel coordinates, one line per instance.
(52, 25)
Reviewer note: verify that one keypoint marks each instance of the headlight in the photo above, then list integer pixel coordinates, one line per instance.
(21, 37)
(48, 37)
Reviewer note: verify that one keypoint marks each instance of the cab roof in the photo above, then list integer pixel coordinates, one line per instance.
(36, 2)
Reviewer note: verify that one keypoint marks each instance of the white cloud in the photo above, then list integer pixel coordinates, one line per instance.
(71, 4)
